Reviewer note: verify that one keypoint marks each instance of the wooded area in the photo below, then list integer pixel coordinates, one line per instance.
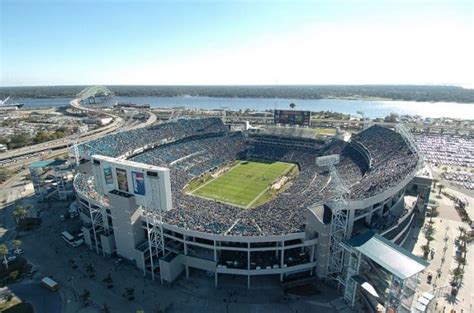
(394, 92)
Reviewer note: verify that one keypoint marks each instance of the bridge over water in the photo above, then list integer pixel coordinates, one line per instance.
(90, 94)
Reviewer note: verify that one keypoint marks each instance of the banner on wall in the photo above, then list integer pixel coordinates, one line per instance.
(109, 179)
(122, 181)
(138, 183)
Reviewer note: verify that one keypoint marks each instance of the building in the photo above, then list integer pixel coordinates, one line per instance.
(130, 184)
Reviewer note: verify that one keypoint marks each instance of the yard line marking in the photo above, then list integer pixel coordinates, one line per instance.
(192, 192)
(268, 187)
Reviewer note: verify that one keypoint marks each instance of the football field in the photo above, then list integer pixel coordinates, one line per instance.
(243, 185)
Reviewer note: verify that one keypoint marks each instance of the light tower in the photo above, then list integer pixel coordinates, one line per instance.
(338, 231)
(75, 144)
(406, 135)
(224, 112)
(154, 225)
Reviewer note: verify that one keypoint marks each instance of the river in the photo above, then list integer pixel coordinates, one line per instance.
(371, 108)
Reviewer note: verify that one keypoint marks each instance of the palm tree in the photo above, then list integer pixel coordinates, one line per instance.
(84, 296)
(19, 213)
(90, 270)
(73, 263)
(16, 243)
(130, 293)
(105, 309)
(426, 249)
(429, 232)
(457, 274)
(108, 281)
(4, 253)
(461, 260)
(463, 233)
(440, 187)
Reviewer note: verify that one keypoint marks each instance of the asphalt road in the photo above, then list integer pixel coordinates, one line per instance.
(42, 300)
(63, 142)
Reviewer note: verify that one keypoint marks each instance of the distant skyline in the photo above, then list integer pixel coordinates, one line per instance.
(236, 42)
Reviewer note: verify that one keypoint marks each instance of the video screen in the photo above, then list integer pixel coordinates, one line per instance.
(289, 117)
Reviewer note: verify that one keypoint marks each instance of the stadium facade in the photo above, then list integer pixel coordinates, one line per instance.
(130, 189)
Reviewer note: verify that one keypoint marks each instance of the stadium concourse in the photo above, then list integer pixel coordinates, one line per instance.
(285, 237)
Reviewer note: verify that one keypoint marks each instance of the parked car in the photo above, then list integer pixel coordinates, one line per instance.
(458, 252)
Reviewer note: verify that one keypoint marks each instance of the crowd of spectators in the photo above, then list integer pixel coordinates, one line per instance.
(85, 185)
(119, 144)
(392, 161)
(200, 146)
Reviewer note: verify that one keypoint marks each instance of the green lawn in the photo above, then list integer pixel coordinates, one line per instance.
(325, 131)
(244, 184)
(15, 306)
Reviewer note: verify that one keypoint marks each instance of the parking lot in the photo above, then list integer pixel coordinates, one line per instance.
(437, 277)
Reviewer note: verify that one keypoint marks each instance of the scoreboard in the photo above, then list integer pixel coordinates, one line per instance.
(291, 117)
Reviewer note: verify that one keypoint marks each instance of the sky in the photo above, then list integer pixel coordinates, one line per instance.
(109, 42)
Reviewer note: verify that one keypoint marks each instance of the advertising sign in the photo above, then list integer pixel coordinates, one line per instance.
(138, 183)
(122, 182)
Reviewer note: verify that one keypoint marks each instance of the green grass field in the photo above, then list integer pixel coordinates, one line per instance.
(325, 131)
(244, 185)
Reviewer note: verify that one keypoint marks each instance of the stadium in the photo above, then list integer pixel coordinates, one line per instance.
(276, 203)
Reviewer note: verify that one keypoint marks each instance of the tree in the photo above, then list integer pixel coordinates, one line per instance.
(108, 281)
(460, 260)
(3, 175)
(130, 293)
(16, 243)
(392, 118)
(73, 263)
(457, 273)
(429, 232)
(105, 309)
(435, 181)
(292, 105)
(440, 187)
(19, 213)
(90, 270)
(13, 276)
(42, 136)
(4, 253)
(84, 297)
(426, 250)
(19, 140)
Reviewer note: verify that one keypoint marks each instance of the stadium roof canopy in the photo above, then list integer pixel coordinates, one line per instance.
(47, 163)
(387, 254)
